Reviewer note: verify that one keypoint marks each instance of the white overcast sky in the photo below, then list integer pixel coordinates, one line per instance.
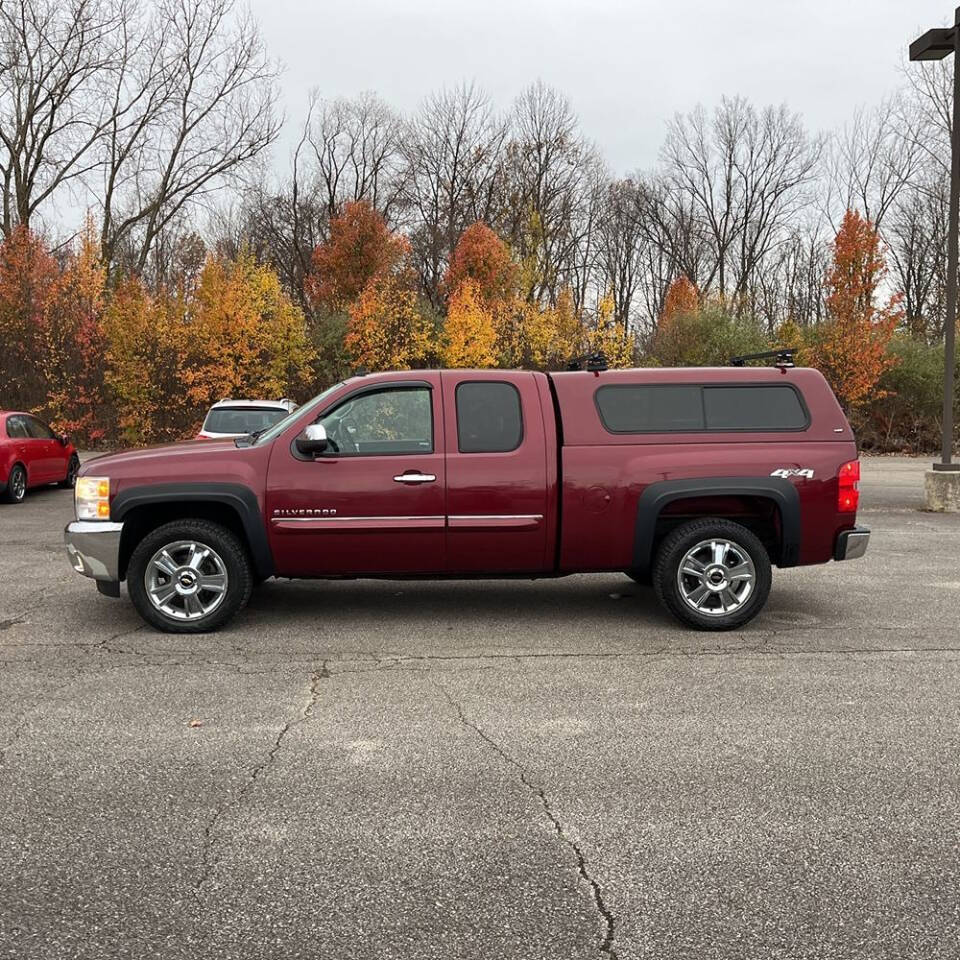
(626, 67)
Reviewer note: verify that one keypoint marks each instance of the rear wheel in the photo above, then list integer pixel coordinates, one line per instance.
(16, 485)
(73, 468)
(712, 574)
(189, 576)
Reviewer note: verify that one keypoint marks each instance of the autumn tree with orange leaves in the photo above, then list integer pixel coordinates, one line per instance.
(851, 347)
(361, 247)
(480, 284)
(75, 342)
(681, 300)
(483, 258)
(29, 285)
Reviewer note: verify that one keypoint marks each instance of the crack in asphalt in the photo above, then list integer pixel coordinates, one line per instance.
(104, 644)
(210, 838)
(607, 919)
(7, 624)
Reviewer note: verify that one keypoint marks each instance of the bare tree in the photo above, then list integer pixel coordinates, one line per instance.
(744, 174)
(192, 104)
(454, 147)
(357, 148)
(926, 111)
(55, 64)
(791, 285)
(622, 240)
(916, 233)
(869, 163)
(551, 176)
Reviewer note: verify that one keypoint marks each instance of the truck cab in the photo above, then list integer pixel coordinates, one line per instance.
(695, 480)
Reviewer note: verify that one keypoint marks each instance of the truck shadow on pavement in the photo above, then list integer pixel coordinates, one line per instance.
(579, 609)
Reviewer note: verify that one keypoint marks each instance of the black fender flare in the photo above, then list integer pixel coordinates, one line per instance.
(241, 499)
(657, 495)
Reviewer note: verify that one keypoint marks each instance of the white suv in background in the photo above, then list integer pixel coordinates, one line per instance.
(238, 418)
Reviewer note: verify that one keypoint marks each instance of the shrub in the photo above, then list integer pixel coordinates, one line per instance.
(708, 337)
(906, 415)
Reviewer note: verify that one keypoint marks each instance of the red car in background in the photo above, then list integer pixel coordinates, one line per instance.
(32, 455)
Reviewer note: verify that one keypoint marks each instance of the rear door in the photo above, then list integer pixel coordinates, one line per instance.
(497, 505)
(19, 437)
(374, 502)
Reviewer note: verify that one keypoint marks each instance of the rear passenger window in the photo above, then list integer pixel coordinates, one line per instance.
(16, 428)
(488, 417)
(753, 408)
(650, 408)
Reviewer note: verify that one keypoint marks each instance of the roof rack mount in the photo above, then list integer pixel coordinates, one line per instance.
(593, 362)
(784, 357)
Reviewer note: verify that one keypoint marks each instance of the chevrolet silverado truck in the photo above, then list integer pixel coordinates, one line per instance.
(694, 480)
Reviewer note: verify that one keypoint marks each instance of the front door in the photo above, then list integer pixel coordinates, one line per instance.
(50, 456)
(373, 503)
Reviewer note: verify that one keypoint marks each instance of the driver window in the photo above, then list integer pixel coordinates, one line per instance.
(387, 422)
(38, 430)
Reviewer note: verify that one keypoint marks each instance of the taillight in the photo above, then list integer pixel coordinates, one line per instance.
(848, 490)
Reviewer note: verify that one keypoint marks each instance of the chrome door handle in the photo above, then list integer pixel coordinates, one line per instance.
(415, 478)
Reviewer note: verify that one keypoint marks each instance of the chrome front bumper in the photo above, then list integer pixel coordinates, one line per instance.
(93, 547)
(852, 544)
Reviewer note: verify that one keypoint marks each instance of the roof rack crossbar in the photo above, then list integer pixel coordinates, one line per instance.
(784, 357)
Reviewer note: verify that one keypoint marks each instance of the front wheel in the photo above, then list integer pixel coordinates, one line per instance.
(73, 468)
(712, 574)
(189, 576)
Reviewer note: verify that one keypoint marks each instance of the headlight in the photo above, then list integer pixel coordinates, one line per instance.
(92, 498)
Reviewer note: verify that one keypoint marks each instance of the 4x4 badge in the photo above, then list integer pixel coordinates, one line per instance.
(786, 472)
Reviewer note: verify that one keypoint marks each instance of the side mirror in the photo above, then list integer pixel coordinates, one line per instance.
(313, 440)
(64, 440)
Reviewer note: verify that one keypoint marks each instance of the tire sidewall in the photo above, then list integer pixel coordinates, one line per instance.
(8, 493)
(73, 467)
(220, 539)
(674, 548)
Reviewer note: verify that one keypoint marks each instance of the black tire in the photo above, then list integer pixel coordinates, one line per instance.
(226, 548)
(70, 481)
(16, 488)
(667, 583)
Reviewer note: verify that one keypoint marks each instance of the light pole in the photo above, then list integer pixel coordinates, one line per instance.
(935, 45)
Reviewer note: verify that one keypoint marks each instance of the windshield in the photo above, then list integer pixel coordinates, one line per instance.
(242, 420)
(280, 426)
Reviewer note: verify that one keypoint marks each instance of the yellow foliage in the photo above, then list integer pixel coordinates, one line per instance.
(610, 338)
(534, 337)
(387, 329)
(143, 346)
(469, 332)
(170, 357)
(244, 337)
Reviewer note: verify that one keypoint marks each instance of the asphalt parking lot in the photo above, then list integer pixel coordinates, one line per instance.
(487, 770)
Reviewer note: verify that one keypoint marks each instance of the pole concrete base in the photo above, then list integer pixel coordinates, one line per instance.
(942, 490)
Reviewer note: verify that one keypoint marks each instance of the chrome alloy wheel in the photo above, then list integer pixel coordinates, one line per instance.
(186, 580)
(716, 577)
(18, 484)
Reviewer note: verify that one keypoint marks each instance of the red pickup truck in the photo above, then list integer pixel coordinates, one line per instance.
(695, 480)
